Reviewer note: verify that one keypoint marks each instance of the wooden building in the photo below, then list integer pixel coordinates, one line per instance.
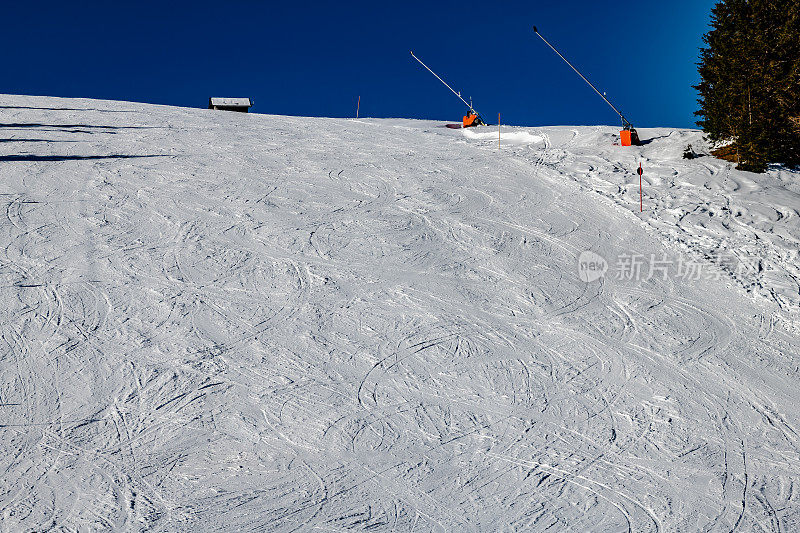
(230, 104)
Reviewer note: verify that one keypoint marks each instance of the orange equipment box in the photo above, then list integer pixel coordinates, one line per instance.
(629, 138)
(625, 137)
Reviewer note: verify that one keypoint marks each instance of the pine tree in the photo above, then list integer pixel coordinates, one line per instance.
(788, 42)
(750, 77)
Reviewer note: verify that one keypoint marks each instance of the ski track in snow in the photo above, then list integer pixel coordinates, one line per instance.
(218, 321)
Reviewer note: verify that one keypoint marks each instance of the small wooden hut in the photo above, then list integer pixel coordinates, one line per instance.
(230, 104)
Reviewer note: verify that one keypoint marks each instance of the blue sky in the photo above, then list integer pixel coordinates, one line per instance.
(316, 58)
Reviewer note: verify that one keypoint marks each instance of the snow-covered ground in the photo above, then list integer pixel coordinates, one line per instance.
(218, 321)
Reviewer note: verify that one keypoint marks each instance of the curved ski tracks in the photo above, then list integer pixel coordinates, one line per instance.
(392, 339)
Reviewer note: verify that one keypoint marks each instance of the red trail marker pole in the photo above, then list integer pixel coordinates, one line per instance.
(358, 107)
(640, 172)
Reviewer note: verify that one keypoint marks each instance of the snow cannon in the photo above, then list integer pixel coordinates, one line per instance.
(628, 135)
(472, 117)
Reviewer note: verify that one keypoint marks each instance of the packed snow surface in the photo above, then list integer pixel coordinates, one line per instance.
(220, 321)
(508, 136)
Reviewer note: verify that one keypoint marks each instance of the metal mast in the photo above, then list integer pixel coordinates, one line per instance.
(625, 123)
(445, 84)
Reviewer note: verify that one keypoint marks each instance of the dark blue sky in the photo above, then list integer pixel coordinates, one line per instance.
(316, 58)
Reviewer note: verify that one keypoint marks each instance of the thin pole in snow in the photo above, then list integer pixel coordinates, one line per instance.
(498, 132)
(358, 107)
(641, 204)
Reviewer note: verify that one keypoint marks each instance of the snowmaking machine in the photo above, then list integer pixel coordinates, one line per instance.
(628, 135)
(472, 118)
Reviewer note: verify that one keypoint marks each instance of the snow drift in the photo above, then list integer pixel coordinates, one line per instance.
(219, 321)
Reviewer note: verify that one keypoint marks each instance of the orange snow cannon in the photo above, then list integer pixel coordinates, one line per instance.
(629, 137)
(471, 119)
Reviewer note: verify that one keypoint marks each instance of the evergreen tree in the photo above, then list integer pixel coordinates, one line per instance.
(750, 80)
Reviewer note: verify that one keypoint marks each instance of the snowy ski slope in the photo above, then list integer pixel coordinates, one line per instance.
(217, 321)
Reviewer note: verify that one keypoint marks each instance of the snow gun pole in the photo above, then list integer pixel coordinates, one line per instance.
(445, 84)
(625, 121)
